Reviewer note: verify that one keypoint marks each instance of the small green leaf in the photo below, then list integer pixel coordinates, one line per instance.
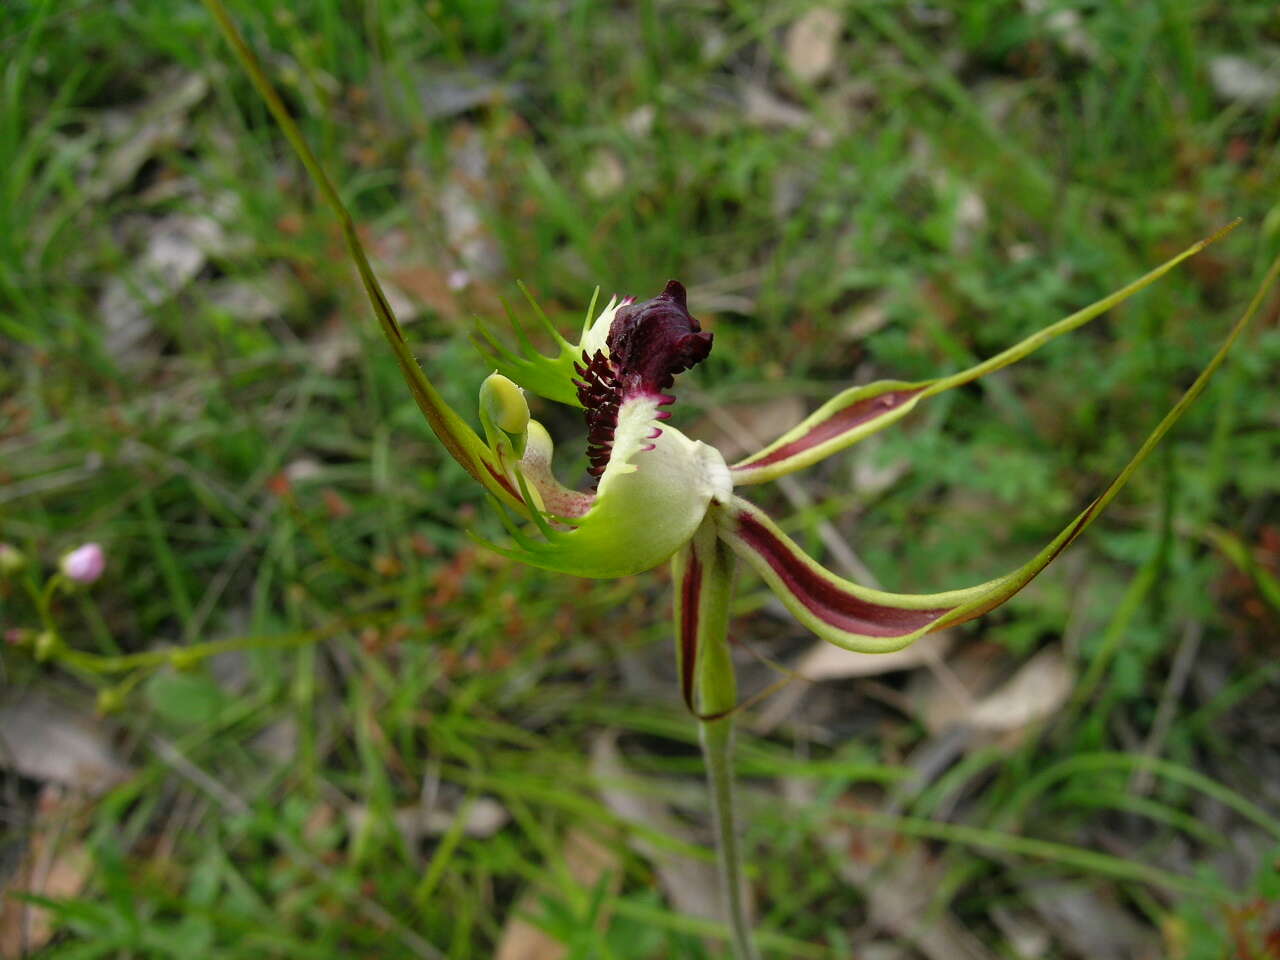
(185, 698)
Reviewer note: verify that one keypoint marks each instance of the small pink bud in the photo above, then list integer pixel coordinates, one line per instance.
(84, 564)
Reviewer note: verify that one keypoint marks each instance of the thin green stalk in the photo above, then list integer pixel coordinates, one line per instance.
(717, 698)
(717, 751)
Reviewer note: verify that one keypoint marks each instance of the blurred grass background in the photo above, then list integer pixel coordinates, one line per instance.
(413, 748)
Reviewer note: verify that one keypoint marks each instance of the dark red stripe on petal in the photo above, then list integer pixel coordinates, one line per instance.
(825, 600)
(506, 484)
(840, 422)
(690, 595)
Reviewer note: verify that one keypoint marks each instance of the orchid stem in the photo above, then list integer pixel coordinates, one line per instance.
(717, 698)
(717, 752)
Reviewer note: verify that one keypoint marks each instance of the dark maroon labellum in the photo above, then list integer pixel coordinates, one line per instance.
(649, 343)
(599, 393)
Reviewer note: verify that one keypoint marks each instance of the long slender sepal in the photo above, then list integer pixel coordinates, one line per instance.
(843, 612)
(875, 621)
(453, 432)
(859, 412)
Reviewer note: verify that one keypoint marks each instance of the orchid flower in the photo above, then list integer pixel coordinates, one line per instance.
(655, 495)
(657, 488)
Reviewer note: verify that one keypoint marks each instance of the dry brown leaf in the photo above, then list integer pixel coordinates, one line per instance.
(639, 122)
(690, 885)
(461, 201)
(866, 319)
(588, 861)
(604, 175)
(44, 739)
(810, 44)
(425, 285)
(1246, 81)
(1037, 691)
(825, 661)
(872, 475)
(1090, 924)
(828, 662)
(176, 249)
(975, 699)
(1027, 939)
(1065, 26)
(485, 817)
(134, 133)
(55, 865)
(763, 108)
(975, 670)
(900, 880)
(449, 92)
(262, 297)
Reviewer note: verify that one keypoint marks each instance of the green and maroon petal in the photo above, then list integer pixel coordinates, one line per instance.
(838, 610)
(860, 411)
(875, 621)
(454, 433)
(652, 496)
(702, 572)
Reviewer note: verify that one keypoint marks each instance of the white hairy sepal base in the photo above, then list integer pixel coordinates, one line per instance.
(652, 496)
(595, 335)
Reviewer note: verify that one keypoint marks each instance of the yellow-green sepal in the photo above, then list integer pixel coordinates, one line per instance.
(876, 621)
(858, 412)
(550, 376)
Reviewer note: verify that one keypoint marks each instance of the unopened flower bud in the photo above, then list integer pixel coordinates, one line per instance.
(503, 403)
(47, 644)
(504, 413)
(110, 700)
(11, 560)
(19, 637)
(84, 564)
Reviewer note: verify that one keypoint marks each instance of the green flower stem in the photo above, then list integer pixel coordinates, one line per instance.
(181, 657)
(718, 694)
(42, 598)
(187, 657)
(717, 752)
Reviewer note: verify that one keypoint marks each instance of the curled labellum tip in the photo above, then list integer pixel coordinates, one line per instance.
(650, 342)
